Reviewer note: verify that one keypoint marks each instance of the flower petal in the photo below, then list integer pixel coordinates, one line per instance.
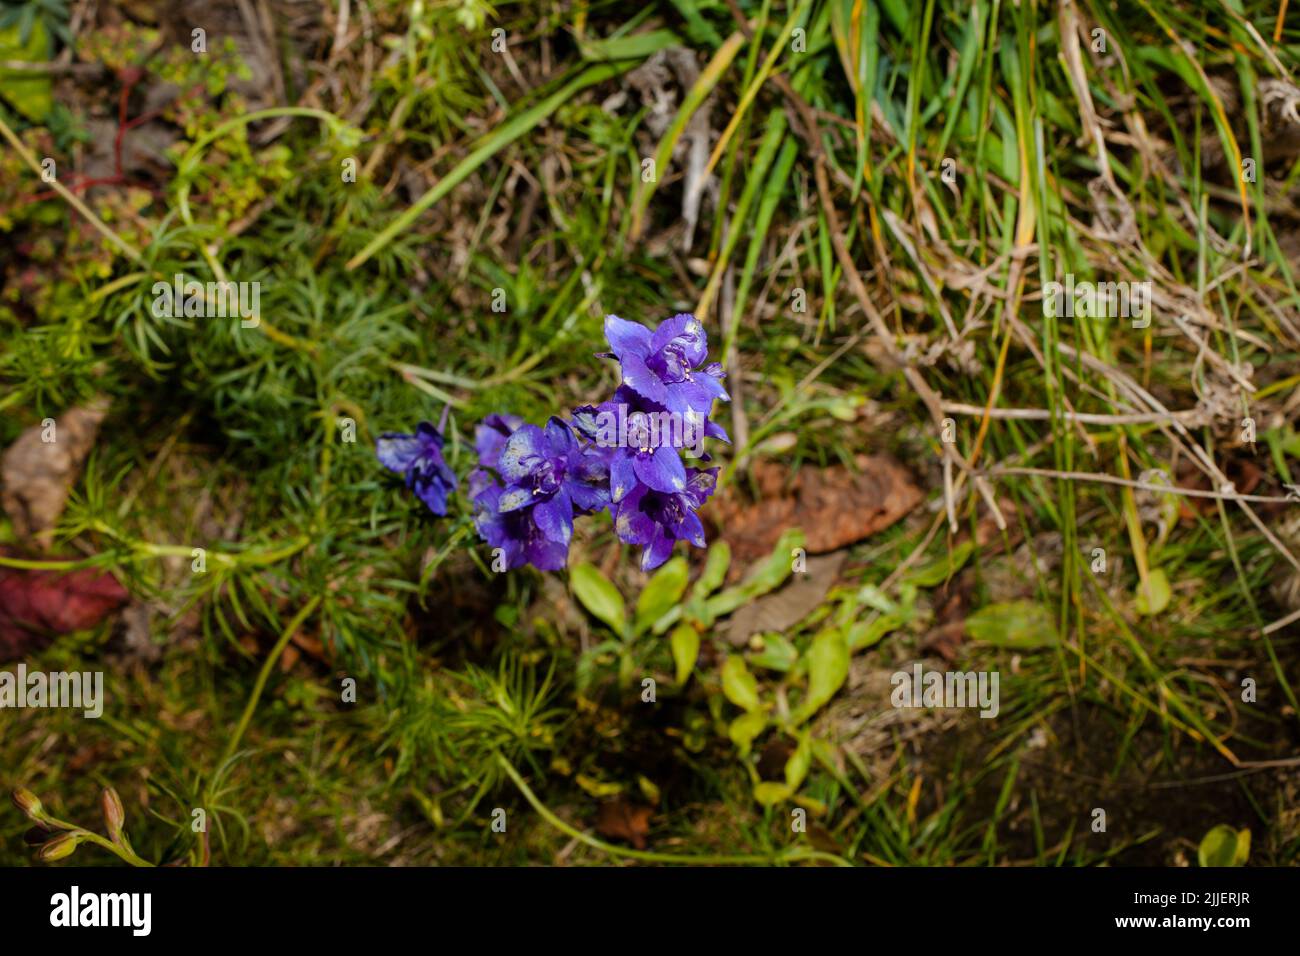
(434, 494)
(398, 452)
(490, 437)
(559, 437)
(622, 476)
(658, 551)
(638, 377)
(627, 338)
(522, 451)
(691, 529)
(685, 333)
(545, 555)
(515, 498)
(587, 497)
(555, 518)
(662, 469)
(634, 526)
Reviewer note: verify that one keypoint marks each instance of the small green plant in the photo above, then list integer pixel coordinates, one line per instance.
(1224, 846)
(57, 839)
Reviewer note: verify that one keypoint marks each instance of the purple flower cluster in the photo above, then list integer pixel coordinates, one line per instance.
(623, 455)
(529, 485)
(654, 497)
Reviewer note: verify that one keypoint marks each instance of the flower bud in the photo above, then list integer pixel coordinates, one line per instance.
(27, 802)
(114, 816)
(58, 848)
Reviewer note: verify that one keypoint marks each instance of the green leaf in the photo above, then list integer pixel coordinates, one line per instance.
(738, 684)
(662, 592)
(936, 572)
(638, 46)
(685, 644)
(1155, 597)
(1224, 846)
(863, 634)
(828, 667)
(715, 569)
(598, 596)
(1016, 624)
(796, 768)
(767, 577)
(745, 728)
(778, 654)
(31, 94)
(769, 793)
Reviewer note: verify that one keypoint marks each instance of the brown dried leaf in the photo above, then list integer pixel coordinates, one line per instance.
(621, 819)
(785, 607)
(39, 468)
(834, 506)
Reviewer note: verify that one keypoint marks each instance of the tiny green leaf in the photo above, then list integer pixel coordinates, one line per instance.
(598, 596)
(685, 643)
(796, 768)
(1155, 597)
(1016, 624)
(29, 92)
(828, 667)
(1224, 846)
(715, 569)
(738, 683)
(745, 728)
(661, 593)
(769, 793)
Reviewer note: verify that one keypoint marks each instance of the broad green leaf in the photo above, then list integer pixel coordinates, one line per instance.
(715, 569)
(778, 654)
(662, 592)
(1224, 846)
(1154, 598)
(30, 93)
(1016, 624)
(864, 634)
(796, 768)
(773, 572)
(638, 46)
(600, 789)
(769, 575)
(828, 667)
(769, 793)
(685, 644)
(738, 683)
(745, 728)
(936, 572)
(598, 596)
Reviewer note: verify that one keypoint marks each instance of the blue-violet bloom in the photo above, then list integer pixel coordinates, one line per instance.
(656, 520)
(667, 365)
(419, 458)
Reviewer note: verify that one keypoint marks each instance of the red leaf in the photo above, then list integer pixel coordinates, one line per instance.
(37, 606)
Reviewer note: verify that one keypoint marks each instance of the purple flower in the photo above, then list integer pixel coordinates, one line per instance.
(546, 470)
(641, 440)
(667, 365)
(516, 533)
(490, 437)
(546, 475)
(419, 457)
(657, 520)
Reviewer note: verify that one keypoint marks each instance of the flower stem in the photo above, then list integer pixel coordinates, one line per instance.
(263, 676)
(785, 856)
